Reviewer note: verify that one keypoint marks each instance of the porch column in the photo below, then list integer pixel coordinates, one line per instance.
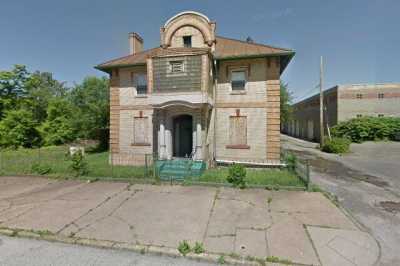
(199, 142)
(161, 138)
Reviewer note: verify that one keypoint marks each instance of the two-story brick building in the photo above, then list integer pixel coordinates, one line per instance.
(196, 95)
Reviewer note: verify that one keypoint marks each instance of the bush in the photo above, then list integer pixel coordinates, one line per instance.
(78, 164)
(237, 175)
(290, 160)
(336, 145)
(368, 128)
(18, 129)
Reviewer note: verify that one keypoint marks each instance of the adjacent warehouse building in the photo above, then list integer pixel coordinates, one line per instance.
(341, 103)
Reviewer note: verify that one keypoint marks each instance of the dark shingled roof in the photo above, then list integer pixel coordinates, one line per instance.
(225, 49)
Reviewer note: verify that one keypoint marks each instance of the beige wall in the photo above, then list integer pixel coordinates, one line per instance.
(370, 104)
(259, 103)
(197, 37)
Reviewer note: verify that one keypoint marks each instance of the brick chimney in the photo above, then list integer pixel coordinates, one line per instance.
(135, 43)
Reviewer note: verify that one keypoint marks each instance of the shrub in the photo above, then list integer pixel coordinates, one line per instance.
(368, 128)
(79, 164)
(41, 169)
(184, 247)
(336, 145)
(237, 175)
(18, 129)
(290, 160)
(198, 248)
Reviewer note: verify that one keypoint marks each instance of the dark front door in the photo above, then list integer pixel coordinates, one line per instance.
(183, 139)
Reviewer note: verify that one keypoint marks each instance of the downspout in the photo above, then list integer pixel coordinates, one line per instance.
(215, 112)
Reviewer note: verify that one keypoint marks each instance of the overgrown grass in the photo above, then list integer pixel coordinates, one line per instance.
(259, 177)
(20, 162)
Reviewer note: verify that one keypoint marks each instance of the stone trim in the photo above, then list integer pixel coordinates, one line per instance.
(238, 146)
(114, 114)
(241, 105)
(273, 110)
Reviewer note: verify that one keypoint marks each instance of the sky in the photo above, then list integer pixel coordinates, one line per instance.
(359, 40)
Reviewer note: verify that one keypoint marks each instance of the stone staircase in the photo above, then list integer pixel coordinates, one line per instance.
(179, 169)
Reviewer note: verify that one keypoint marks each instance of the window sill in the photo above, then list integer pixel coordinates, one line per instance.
(238, 146)
(141, 96)
(238, 92)
(141, 144)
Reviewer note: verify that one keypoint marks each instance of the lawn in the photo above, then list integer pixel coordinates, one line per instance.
(20, 162)
(258, 177)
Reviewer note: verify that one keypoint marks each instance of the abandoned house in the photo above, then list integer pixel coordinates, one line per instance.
(196, 95)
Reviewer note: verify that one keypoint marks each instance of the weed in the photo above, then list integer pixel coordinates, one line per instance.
(274, 259)
(143, 251)
(269, 200)
(184, 247)
(234, 255)
(221, 259)
(198, 248)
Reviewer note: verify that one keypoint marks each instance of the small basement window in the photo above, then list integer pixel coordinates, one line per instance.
(238, 80)
(141, 84)
(187, 41)
(176, 66)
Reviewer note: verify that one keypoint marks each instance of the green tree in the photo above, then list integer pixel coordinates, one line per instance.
(58, 128)
(91, 97)
(12, 88)
(286, 100)
(41, 88)
(18, 128)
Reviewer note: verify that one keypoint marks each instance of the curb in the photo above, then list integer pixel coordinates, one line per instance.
(142, 249)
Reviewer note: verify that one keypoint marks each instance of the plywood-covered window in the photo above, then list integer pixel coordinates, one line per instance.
(238, 132)
(140, 134)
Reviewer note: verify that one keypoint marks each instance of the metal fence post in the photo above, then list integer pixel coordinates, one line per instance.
(308, 175)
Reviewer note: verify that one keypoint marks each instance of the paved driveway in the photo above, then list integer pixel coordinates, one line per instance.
(301, 227)
(367, 183)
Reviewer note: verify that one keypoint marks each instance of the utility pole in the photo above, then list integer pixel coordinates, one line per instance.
(321, 104)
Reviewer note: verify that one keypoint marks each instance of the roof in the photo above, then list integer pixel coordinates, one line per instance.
(226, 48)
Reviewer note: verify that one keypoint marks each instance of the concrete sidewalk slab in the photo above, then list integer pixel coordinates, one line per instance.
(288, 239)
(344, 247)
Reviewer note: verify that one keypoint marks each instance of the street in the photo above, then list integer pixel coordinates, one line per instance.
(367, 184)
(21, 251)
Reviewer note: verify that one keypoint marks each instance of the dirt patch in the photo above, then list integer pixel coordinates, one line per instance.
(390, 206)
(338, 170)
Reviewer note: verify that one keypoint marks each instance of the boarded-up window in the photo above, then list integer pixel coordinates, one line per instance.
(140, 130)
(238, 130)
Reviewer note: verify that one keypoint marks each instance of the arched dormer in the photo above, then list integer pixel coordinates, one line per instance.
(188, 29)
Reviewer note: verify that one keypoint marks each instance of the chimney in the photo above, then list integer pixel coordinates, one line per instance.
(135, 43)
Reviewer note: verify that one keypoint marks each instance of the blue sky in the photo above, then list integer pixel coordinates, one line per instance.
(358, 39)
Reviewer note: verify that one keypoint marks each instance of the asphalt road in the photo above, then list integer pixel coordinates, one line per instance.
(367, 184)
(19, 251)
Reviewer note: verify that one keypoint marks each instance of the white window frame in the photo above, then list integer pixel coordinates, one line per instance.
(246, 74)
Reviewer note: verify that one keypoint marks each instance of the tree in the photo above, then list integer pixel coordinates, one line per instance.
(58, 128)
(286, 100)
(18, 128)
(12, 88)
(92, 99)
(41, 88)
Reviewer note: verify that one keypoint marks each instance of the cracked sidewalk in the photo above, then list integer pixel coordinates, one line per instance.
(302, 227)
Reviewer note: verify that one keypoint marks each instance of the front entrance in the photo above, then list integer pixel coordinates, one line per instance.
(182, 136)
